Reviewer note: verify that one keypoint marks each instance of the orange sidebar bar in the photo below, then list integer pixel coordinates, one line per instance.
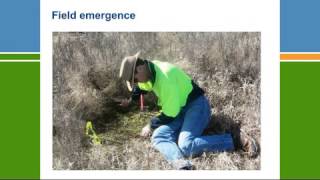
(299, 56)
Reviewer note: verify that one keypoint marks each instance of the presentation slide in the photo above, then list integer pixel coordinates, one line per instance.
(150, 89)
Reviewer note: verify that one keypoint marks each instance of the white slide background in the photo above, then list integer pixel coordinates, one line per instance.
(174, 16)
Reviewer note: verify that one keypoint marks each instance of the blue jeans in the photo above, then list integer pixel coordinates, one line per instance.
(183, 136)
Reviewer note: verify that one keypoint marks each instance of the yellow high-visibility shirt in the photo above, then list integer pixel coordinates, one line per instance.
(172, 87)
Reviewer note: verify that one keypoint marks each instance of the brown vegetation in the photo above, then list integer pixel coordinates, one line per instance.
(85, 81)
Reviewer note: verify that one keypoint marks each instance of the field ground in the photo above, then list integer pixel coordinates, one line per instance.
(85, 70)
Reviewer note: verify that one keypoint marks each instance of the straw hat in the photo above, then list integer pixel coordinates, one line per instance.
(127, 67)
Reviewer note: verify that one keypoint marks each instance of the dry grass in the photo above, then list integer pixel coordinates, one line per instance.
(86, 65)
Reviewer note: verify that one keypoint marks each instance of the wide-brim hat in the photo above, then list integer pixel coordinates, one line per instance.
(127, 68)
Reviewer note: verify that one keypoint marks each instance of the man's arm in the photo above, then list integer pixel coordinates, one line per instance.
(160, 120)
(136, 92)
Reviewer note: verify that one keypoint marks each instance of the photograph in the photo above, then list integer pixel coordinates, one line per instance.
(156, 100)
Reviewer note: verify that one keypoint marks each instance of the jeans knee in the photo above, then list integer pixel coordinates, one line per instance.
(155, 137)
(159, 136)
(185, 147)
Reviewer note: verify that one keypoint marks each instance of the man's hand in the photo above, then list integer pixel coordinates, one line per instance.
(146, 131)
(125, 102)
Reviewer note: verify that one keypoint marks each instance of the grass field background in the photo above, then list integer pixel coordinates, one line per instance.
(85, 80)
